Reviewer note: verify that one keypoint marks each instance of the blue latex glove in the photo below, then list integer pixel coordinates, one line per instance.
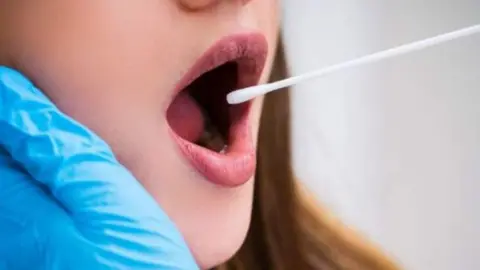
(65, 201)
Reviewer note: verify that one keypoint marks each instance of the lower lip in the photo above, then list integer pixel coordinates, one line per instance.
(237, 164)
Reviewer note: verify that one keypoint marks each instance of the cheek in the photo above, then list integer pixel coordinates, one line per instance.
(267, 16)
(256, 114)
(90, 67)
(116, 112)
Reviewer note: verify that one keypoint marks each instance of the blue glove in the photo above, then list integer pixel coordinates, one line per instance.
(65, 201)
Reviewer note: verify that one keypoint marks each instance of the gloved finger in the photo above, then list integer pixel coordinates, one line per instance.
(17, 216)
(29, 219)
(82, 173)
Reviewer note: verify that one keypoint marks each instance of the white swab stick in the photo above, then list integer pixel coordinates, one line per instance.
(245, 94)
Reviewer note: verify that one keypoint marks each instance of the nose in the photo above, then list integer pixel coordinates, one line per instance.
(195, 5)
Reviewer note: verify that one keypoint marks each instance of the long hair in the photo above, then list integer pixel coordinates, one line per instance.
(288, 230)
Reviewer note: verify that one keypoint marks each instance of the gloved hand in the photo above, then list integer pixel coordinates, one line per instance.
(65, 201)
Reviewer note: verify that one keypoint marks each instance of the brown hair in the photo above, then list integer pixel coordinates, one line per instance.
(288, 230)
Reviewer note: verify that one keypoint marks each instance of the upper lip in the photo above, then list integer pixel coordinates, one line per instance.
(249, 51)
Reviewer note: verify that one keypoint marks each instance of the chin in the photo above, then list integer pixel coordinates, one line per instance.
(216, 236)
(219, 249)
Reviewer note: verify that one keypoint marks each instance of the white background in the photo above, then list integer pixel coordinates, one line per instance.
(392, 148)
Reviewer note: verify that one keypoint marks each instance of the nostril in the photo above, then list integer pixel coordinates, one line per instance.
(195, 5)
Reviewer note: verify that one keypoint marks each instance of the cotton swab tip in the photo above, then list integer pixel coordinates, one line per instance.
(246, 94)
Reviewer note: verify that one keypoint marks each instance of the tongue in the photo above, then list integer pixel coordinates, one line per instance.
(185, 117)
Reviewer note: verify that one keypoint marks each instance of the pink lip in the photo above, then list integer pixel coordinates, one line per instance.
(237, 165)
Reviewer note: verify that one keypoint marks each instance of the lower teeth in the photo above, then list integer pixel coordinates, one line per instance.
(211, 138)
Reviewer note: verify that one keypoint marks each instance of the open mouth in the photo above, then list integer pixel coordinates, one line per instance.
(213, 135)
(208, 95)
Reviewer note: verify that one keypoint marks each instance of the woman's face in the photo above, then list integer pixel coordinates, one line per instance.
(122, 67)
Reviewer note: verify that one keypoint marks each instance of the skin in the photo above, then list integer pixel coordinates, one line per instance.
(112, 65)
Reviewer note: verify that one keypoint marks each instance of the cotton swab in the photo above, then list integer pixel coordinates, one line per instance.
(245, 94)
